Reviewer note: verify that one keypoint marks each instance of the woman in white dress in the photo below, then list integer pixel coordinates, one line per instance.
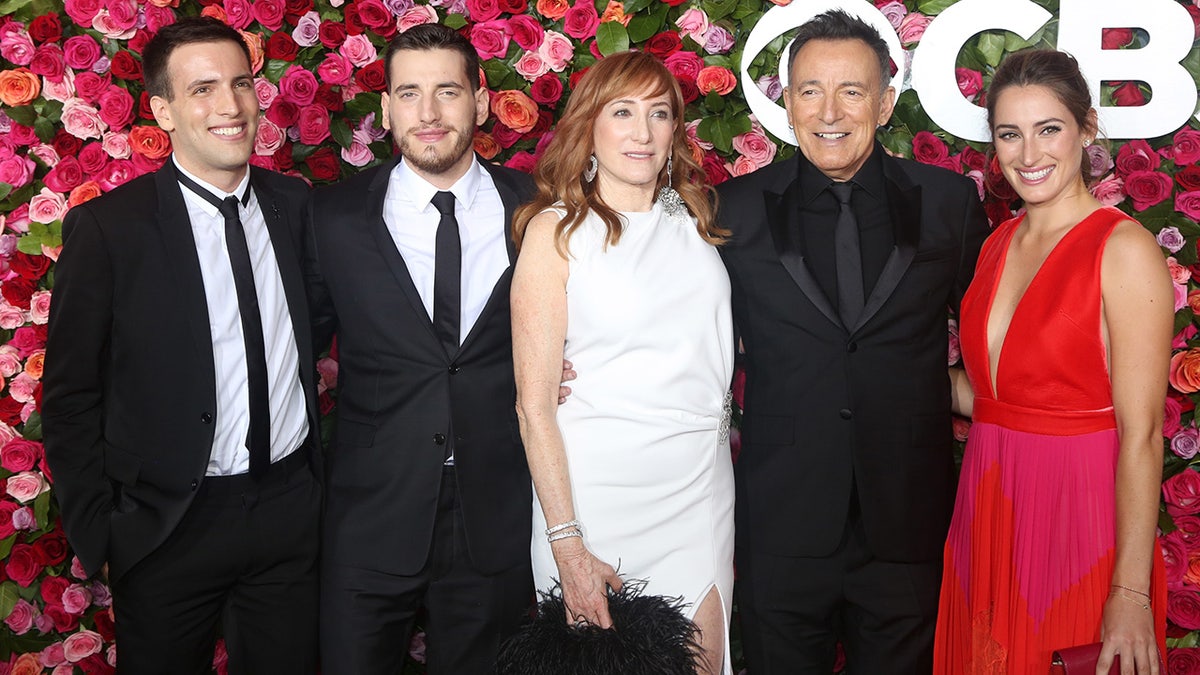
(619, 273)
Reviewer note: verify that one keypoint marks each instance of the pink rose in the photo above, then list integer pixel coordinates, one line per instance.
(20, 454)
(39, 307)
(82, 11)
(116, 107)
(755, 146)
(16, 170)
(80, 52)
(82, 120)
(335, 69)
(116, 145)
(1136, 155)
(1099, 161)
(693, 23)
(269, 13)
(556, 50)
(1183, 608)
(531, 66)
(1186, 443)
(308, 29)
(1188, 203)
(483, 10)
(122, 15)
(26, 485)
(894, 11)
(684, 64)
(59, 91)
(110, 27)
(912, 27)
(581, 20)
(358, 154)
(1181, 492)
(265, 91)
(526, 31)
(313, 124)
(1187, 146)
(76, 599)
(490, 39)
(238, 13)
(81, 645)
(46, 154)
(1147, 188)
(741, 166)
(298, 86)
(970, 82)
(10, 318)
(327, 368)
(1110, 191)
(47, 206)
(157, 17)
(1179, 273)
(22, 387)
(20, 619)
(16, 46)
(269, 138)
(358, 50)
(417, 16)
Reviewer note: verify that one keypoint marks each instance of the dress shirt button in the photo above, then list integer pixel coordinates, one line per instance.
(195, 484)
(453, 369)
(845, 413)
(852, 347)
(439, 439)
(206, 417)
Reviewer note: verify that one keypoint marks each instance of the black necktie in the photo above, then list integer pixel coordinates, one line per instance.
(259, 439)
(848, 258)
(447, 274)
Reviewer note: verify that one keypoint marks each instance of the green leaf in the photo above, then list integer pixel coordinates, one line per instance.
(22, 114)
(275, 68)
(9, 7)
(714, 102)
(44, 129)
(636, 6)
(30, 245)
(717, 130)
(718, 9)
(991, 46)
(8, 592)
(455, 21)
(41, 509)
(612, 38)
(342, 134)
(1184, 318)
(366, 102)
(6, 545)
(5, 188)
(642, 27)
(932, 7)
(32, 429)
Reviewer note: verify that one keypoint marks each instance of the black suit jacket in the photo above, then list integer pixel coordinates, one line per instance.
(129, 402)
(399, 392)
(829, 406)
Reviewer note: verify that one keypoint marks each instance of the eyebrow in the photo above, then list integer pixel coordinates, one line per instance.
(405, 86)
(847, 83)
(630, 101)
(214, 80)
(1040, 123)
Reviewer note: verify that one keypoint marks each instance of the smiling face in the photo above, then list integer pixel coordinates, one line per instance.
(212, 115)
(835, 100)
(432, 111)
(1038, 144)
(631, 140)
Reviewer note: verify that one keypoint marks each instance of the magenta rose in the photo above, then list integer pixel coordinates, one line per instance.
(1183, 608)
(116, 107)
(238, 13)
(20, 619)
(16, 170)
(83, 11)
(117, 172)
(80, 52)
(81, 645)
(1172, 411)
(970, 82)
(20, 454)
(64, 177)
(158, 17)
(546, 89)
(1187, 146)
(1147, 188)
(48, 62)
(335, 69)
(92, 159)
(1136, 155)
(486, 10)
(21, 566)
(684, 64)
(1175, 557)
(269, 13)
(313, 124)
(522, 161)
(283, 113)
(376, 17)
(526, 31)
(490, 39)
(1188, 203)
(1181, 492)
(89, 86)
(581, 20)
(298, 86)
(929, 149)
(1183, 661)
(7, 510)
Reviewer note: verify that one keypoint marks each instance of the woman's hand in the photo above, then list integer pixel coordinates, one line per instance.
(1128, 629)
(584, 579)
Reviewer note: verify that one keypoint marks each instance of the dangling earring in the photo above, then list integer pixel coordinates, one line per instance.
(672, 203)
(589, 174)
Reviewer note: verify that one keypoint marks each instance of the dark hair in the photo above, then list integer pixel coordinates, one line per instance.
(429, 36)
(186, 31)
(836, 24)
(560, 168)
(1059, 73)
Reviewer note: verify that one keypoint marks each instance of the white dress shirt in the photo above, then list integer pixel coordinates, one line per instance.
(289, 423)
(412, 221)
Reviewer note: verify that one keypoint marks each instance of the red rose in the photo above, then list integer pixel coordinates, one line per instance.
(1147, 188)
(522, 161)
(21, 566)
(1129, 95)
(294, 9)
(354, 24)
(18, 291)
(674, 3)
(326, 403)
(6, 510)
(690, 91)
(269, 13)
(997, 211)
(283, 113)
(372, 77)
(714, 168)
(1183, 608)
(546, 89)
(144, 110)
(10, 410)
(513, 7)
(927, 148)
(63, 621)
(125, 66)
(95, 664)
(283, 157)
(19, 455)
(1136, 155)
(505, 135)
(46, 28)
(65, 144)
(48, 62)
(138, 42)
(1189, 178)
(116, 107)
(332, 34)
(376, 17)
(51, 548)
(1195, 12)
(104, 626)
(329, 98)
(1115, 38)
(664, 44)
(31, 267)
(1183, 661)
(324, 165)
(51, 590)
(313, 124)
(281, 46)
(973, 159)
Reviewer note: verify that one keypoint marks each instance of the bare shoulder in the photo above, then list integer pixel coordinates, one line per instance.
(1131, 249)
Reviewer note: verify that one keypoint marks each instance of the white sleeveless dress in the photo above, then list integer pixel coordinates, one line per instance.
(645, 429)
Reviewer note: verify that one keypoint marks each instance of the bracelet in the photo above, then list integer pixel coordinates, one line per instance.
(1144, 595)
(564, 535)
(562, 526)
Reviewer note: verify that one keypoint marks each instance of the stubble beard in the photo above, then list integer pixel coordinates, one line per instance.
(430, 161)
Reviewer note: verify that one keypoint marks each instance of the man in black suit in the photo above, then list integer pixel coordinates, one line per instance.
(428, 494)
(843, 263)
(179, 396)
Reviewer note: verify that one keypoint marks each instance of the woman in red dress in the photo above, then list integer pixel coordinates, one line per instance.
(1066, 336)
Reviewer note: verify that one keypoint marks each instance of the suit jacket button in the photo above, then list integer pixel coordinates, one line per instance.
(845, 413)
(195, 484)
(439, 439)
(453, 369)
(852, 347)
(206, 418)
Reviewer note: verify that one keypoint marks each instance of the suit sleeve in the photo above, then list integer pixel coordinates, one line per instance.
(320, 304)
(73, 386)
(975, 230)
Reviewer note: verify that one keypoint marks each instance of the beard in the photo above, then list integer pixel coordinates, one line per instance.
(429, 160)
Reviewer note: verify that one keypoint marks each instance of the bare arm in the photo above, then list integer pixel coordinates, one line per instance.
(539, 318)
(1138, 316)
(962, 396)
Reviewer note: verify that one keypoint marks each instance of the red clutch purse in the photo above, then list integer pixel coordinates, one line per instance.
(1081, 660)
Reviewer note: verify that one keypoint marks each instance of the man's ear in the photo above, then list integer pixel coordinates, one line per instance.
(162, 113)
(886, 104)
(482, 103)
(384, 118)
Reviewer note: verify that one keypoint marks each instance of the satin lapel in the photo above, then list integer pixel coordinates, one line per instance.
(287, 258)
(499, 296)
(176, 228)
(387, 246)
(783, 214)
(904, 205)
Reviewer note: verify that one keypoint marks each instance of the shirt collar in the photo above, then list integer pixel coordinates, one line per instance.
(239, 191)
(869, 177)
(420, 191)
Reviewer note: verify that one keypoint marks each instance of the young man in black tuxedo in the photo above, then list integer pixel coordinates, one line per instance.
(179, 404)
(843, 262)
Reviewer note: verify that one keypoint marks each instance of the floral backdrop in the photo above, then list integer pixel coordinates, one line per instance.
(75, 122)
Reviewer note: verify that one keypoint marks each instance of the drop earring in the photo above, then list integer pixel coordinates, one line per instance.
(589, 174)
(672, 203)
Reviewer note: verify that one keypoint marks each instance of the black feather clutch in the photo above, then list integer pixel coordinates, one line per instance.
(650, 636)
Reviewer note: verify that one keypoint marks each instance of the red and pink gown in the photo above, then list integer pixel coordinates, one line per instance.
(1029, 556)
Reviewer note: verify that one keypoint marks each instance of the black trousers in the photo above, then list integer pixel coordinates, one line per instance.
(794, 611)
(244, 549)
(367, 616)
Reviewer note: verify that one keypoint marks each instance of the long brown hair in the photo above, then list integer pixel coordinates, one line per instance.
(559, 171)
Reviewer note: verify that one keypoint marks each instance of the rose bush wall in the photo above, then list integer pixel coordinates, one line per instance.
(75, 123)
